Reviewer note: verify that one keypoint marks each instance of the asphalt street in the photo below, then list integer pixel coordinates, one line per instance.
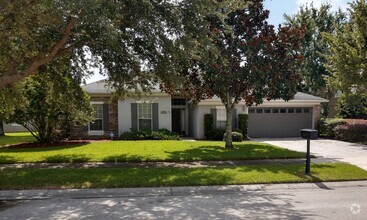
(346, 200)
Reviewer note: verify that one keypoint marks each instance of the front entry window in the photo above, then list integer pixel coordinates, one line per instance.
(221, 118)
(144, 116)
(97, 124)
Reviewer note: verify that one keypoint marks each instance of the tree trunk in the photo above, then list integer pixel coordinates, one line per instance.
(1, 129)
(228, 136)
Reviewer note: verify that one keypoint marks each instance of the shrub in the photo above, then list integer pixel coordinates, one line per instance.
(352, 106)
(208, 125)
(326, 126)
(351, 132)
(218, 134)
(243, 125)
(237, 137)
(161, 134)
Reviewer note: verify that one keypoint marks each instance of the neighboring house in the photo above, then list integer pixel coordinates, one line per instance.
(161, 110)
(13, 127)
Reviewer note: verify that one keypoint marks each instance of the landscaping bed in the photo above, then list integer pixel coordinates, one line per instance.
(68, 178)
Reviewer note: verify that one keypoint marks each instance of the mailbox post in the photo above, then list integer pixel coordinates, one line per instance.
(308, 134)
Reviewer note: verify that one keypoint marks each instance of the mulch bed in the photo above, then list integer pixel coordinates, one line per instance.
(51, 144)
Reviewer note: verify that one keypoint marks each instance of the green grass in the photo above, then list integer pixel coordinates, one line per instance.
(33, 178)
(16, 138)
(137, 151)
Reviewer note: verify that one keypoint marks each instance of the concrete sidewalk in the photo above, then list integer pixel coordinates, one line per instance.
(170, 191)
(194, 164)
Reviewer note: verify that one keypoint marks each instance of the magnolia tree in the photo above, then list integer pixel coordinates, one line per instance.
(244, 58)
(47, 103)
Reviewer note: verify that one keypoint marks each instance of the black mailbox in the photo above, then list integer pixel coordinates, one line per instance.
(309, 134)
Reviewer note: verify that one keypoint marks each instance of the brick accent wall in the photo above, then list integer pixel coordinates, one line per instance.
(78, 132)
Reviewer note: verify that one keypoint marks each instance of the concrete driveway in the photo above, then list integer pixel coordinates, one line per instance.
(352, 153)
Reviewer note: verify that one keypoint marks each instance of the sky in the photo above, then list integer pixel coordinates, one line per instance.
(277, 9)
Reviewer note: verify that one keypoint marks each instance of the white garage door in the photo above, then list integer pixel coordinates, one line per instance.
(278, 122)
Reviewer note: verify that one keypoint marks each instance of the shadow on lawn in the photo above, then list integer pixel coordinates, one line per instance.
(41, 149)
(67, 158)
(240, 151)
(4, 159)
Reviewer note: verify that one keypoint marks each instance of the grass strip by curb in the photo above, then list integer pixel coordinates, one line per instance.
(33, 178)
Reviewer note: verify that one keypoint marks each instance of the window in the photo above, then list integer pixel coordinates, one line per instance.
(145, 116)
(275, 110)
(306, 110)
(267, 110)
(291, 110)
(259, 110)
(283, 110)
(221, 118)
(251, 110)
(298, 110)
(97, 124)
(178, 102)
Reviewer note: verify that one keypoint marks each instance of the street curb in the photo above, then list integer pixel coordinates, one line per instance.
(170, 191)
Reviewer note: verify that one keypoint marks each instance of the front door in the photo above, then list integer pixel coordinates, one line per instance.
(176, 120)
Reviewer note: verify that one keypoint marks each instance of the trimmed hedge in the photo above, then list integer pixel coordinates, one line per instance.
(243, 125)
(208, 125)
(217, 134)
(351, 132)
(327, 125)
(161, 134)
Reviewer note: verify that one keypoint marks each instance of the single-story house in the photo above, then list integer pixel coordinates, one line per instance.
(276, 118)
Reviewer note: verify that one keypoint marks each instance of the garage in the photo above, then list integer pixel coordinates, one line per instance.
(278, 122)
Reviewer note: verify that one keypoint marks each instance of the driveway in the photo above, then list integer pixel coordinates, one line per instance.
(352, 153)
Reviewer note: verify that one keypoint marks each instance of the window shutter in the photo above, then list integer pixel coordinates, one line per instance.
(213, 111)
(234, 118)
(155, 116)
(106, 121)
(134, 116)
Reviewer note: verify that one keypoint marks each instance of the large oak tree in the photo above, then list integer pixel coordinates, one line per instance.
(118, 36)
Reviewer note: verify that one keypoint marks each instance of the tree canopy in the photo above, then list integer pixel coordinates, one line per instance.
(117, 36)
(244, 58)
(316, 21)
(348, 55)
(47, 103)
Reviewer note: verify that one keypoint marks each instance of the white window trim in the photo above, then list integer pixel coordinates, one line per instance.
(96, 103)
(151, 114)
(225, 115)
(96, 132)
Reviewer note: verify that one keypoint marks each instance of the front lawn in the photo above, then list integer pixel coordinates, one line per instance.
(137, 151)
(16, 138)
(33, 178)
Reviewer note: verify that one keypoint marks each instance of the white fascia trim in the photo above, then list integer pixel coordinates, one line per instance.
(288, 104)
(96, 103)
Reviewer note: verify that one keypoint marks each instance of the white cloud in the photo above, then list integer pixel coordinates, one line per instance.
(336, 4)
